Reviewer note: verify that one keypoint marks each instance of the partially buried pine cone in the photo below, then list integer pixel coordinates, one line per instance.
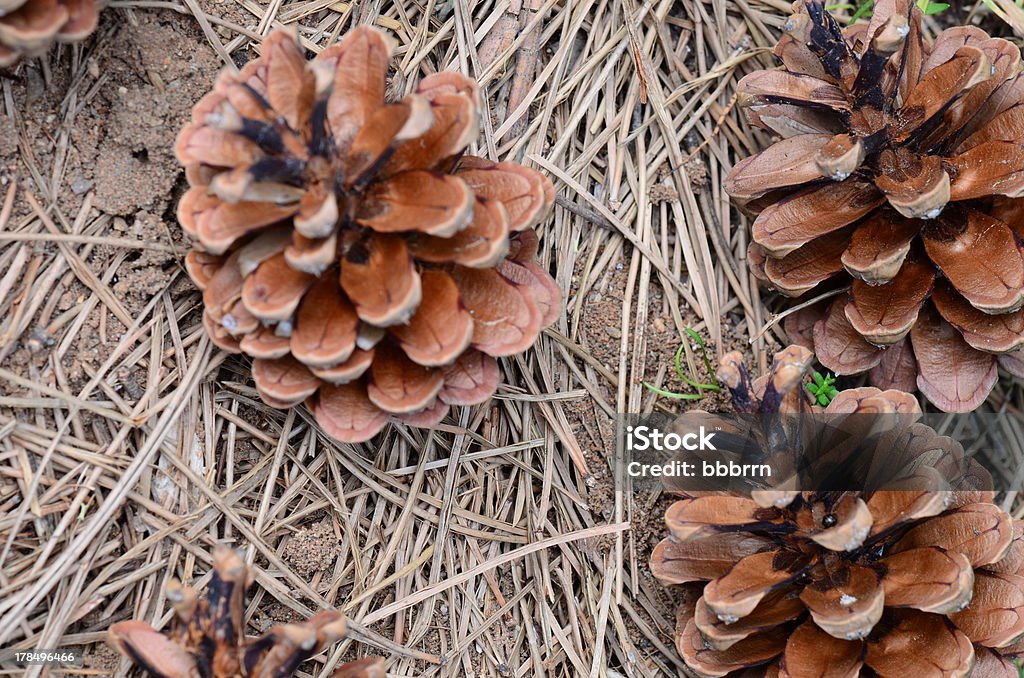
(30, 27)
(899, 172)
(207, 635)
(898, 583)
(348, 245)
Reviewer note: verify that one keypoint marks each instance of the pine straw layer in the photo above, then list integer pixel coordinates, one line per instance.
(497, 545)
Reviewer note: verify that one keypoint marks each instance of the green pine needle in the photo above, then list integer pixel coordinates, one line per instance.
(932, 8)
(864, 10)
(686, 378)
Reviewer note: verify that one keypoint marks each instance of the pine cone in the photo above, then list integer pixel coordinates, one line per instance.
(349, 247)
(30, 27)
(207, 635)
(899, 173)
(894, 583)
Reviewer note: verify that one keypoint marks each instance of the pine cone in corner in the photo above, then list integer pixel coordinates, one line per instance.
(30, 27)
(207, 635)
(348, 245)
(890, 583)
(899, 172)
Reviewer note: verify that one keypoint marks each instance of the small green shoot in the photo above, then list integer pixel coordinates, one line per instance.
(931, 8)
(1020, 668)
(686, 378)
(863, 12)
(822, 388)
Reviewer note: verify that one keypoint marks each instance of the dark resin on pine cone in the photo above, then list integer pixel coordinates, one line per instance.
(891, 583)
(349, 246)
(899, 172)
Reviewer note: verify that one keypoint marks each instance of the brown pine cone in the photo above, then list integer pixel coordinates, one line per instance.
(207, 635)
(899, 173)
(348, 245)
(896, 583)
(30, 27)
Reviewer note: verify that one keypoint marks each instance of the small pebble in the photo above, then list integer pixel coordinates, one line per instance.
(80, 185)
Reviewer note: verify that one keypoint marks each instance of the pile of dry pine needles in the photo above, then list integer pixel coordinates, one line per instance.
(509, 541)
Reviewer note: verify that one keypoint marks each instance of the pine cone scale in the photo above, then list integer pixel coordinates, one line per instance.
(884, 314)
(799, 219)
(809, 265)
(437, 205)
(470, 379)
(349, 370)
(789, 162)
(380, 279)
(838, 345)
(703, 558)
(354, 71)
(735, 594)
(847, 603)
(751, 651)
(812, 653)
(930, 579)
(924, 645)
(346, 413)
(285, 380)
(995, 617)
(401, 386)
(777, 608)
(33, 26)
(949, 373)
(153, 651)
(454, 127)
(878, 248)
(524, 194)
(482, 244)
(443, 329)
(83, 16)
(986, 169)
(326, 326)
(982, 532)
(992, 279)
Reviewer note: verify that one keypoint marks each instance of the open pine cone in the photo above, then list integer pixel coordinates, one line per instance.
(207, 635)
(836, 584)
(30, 27)
(349, 246)
(899, 172)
